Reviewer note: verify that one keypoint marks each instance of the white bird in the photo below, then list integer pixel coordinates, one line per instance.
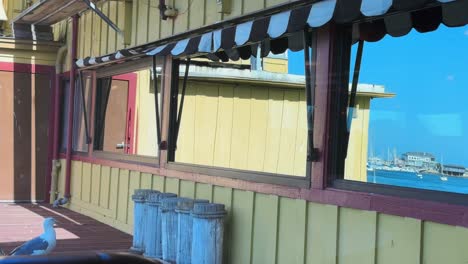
(40, 245)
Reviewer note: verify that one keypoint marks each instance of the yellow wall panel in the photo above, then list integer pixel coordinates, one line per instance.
(95, 184)
(322, 231)
(197, 14)
(154, 20)
(356, 240)
(288, 132)
(291, 231)
(111, 34)
(211, 14)
(258, 129)
(104, 40)
(105, 186)
(186, 139)
(122, 201)
(172, 185)
(444, 244)
(206, 110)
(181, 22)
(240, 127)
(77, 168)
(204, 191)
(300, 151)
(187, 189)
(146, 181)
(275, 104)
(241, 227)
(135, 180)
(398, 239)
(222, 146)
(86, 183)
(114, 189)
(142, 13)
(265, 229)
(223, 195)
(158, 183)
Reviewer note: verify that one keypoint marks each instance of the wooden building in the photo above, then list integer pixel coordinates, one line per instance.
(273, 152)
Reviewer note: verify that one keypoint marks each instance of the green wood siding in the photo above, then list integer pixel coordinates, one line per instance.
(262, 228)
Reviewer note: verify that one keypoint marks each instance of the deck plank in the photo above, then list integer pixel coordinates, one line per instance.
(75, 232)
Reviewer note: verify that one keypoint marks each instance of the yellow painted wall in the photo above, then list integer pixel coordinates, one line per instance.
(12, 9)
(28, 52)
(246, 127)
(356, 161)
(275, 65)
(145, 116)
(271, 229)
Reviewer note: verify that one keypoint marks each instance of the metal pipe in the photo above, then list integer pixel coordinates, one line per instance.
(55, 130)
(71, 105)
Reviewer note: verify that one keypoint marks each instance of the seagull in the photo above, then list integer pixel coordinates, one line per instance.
(40, 245)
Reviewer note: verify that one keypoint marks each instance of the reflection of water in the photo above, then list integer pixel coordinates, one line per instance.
(427, 181)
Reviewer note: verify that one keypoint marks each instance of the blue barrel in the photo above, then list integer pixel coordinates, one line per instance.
(153, 243)
(208, 232)
(169, 228)
(184, 239)
(146, 223)
(138, 220)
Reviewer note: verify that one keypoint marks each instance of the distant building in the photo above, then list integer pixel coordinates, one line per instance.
(453, 170)
(422, 160)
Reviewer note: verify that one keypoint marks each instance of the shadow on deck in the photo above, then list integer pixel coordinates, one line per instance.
(75, 232)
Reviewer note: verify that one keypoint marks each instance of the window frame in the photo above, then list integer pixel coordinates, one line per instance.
(119, 70)
(303, 182)
(335, 178)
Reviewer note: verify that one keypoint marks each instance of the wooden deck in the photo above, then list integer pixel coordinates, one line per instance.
(75, 232)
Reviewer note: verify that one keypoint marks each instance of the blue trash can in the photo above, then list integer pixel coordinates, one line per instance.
(208, 232)
(184, 239)
(138, 220)
(169, 228)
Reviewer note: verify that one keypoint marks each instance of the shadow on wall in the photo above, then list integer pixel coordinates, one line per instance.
(25, 100)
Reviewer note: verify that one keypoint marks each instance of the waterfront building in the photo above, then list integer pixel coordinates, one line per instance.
(421, 160)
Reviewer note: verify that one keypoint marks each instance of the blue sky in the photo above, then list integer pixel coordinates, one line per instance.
(429, 75)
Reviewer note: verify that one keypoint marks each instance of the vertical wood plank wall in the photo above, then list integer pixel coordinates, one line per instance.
(270, 229)
(248, 127)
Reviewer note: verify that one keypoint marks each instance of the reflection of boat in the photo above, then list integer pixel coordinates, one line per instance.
(443, 178)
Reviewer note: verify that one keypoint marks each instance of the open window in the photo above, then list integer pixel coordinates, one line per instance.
(246, 112)
(126, 113)
(405, 127)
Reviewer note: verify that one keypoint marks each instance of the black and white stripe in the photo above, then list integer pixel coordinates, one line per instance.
(279, 31)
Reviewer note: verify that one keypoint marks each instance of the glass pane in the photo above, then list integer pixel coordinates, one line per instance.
(79, 122)
(126, 114)
(409, 127)
(246, 115)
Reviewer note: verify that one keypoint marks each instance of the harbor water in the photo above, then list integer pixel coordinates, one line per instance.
(427, 181)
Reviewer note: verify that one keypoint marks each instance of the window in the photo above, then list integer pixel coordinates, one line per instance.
(81, 110)
(125, 114)
(240, 118)
(409, 123)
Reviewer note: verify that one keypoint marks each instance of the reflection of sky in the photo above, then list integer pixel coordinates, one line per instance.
(429, 75)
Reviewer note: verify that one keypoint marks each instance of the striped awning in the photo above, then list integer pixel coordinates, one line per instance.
(278, 32)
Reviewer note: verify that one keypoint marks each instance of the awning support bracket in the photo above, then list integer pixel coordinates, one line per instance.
(106, 19)
(352, 99)
(156, 102)
(85, 114)
(182, 99)
(312, 153)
